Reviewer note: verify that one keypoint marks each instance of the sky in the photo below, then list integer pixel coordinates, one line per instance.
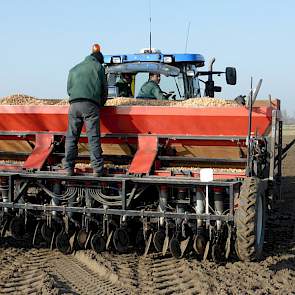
(41, 40)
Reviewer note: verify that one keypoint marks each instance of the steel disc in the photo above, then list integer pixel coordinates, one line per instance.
(121, 239)
(47, 232)
(63, 242)
(139, 242)
(37, 232)
(216, 253)
(175, 249)
(86, 246)
(98, 243)
(148, 244)
(159, 238)
(200, 244)
(4, 226)
(109, 239)
(228, 243)
(17, 227)
(184, 245)
(165, 245)
(82, 237)
(206, 252)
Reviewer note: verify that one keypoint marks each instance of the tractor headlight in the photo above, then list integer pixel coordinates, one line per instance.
(168, 59)
(116, 59)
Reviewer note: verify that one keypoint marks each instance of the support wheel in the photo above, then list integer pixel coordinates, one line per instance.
(63, 242)
(159, 239)
(250, 219)
(175, 249)
(82, 238)
(98, 243)
(139, 242)
(17, 227)
(47, 232)
(121, 240)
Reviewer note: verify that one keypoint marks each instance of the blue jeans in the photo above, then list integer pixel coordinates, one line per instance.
(79, 113)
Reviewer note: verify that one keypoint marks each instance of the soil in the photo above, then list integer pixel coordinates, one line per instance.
(26, 270)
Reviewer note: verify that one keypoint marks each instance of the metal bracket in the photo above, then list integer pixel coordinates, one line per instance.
(43, 148)
(145, 156)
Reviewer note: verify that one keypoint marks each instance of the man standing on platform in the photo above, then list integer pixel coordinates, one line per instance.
(87, 90)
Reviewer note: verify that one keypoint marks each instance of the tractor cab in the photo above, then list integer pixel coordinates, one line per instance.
(179, 72)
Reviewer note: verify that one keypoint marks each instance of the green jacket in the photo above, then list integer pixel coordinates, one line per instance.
(87, 80)
(151, 90)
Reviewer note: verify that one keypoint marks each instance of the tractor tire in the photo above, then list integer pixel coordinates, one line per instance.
(250, 215)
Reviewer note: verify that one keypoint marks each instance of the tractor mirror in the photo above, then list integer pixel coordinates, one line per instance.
(231, 76)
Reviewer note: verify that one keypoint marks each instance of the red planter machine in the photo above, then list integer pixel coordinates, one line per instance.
(152, 194)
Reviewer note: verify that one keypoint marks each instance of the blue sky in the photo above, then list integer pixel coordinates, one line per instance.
(41, 40)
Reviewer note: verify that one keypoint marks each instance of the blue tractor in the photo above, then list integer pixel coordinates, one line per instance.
(183, 70)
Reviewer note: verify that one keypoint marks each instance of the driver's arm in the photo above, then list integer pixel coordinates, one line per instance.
(158, 94)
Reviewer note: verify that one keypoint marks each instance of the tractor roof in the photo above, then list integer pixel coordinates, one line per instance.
(174, 59)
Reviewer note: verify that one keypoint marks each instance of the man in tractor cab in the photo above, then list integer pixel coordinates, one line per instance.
(88, 92)
(151, 88)
(124, 85)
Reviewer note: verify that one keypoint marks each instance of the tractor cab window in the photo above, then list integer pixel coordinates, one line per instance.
(190, 81)
(140, 73)
(173, 85)
(120, 84)
(112, 78)
(183, 86)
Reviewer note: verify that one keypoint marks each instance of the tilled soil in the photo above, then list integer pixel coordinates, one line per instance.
(41, 271)
(25, 270)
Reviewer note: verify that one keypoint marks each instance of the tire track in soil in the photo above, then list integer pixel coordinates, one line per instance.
(246, 277)
(80, 274)
(167, 275)
(274, 275)
(123, 267)
(41, 271)
(24, 272)
(153, 274)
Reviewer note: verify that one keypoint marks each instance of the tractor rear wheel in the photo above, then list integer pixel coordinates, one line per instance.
(250, 217)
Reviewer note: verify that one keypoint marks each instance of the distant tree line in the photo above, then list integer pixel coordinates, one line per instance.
(288, 119)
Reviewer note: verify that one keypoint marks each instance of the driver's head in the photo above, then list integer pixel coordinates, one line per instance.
(127, 77)
(155, 77)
